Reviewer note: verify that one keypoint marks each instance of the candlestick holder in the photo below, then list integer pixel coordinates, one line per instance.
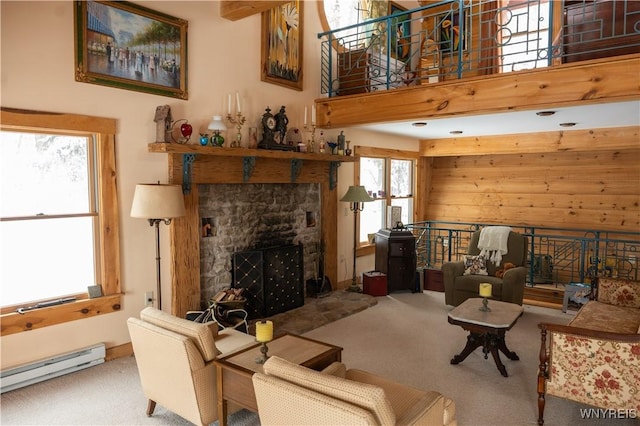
(485, 305)
(239, 121)
(264, 349)
(312, 143)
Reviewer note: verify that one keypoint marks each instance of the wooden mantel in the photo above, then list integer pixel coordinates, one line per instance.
(234, 10)
(217, 165)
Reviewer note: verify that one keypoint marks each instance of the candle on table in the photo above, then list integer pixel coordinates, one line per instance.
(238, 102)
(485, 289)
(229, 104)
(264, 331)
(305, 116)
(313, 115)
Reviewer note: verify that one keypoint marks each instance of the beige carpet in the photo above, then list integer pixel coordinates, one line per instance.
(405, 337)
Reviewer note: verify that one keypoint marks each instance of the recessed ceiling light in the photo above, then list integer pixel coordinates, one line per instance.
(419, 124)
(456, 132)
(567, 124)
(545, 113)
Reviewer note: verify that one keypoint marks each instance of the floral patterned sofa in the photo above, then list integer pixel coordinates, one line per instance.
(595, 360)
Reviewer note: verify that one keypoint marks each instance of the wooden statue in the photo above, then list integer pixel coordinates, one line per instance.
(163, 121)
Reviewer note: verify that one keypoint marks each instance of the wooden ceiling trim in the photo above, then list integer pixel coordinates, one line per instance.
(236, 10)
(618, 138)
(591, 82)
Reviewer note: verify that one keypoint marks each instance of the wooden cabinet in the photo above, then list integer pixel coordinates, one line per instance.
(433, 280)
(361, 71)
(396, 257)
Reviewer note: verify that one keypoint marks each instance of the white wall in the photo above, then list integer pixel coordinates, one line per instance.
(38, 74)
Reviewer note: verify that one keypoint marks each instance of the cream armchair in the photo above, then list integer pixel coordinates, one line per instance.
(289, 394)
(175, 362)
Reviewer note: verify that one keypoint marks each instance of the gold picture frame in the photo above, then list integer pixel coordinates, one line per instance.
(282, 45)
(127, 46)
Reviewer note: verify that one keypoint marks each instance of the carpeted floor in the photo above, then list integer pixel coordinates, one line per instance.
(405, 337)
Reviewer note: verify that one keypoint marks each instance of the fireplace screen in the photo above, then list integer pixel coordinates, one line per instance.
(273, 278)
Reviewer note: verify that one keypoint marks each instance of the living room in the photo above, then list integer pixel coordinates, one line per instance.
(38, 75)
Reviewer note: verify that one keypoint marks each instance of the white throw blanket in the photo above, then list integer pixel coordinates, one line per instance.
(493, 242)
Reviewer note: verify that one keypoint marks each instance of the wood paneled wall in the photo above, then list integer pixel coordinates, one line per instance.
(588, 189)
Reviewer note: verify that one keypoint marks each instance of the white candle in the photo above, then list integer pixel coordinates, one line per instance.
(264, 331)
(305, 116)
(313, 114)
(485, 289)
(229, 105)
(238, 102)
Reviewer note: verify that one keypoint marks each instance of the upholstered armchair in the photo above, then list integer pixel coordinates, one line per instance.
(595, 359)
(175, 362)
(289, 394)
(462, 279)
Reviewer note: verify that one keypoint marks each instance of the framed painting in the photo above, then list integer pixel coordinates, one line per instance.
(282, 45)
(400, 33)
(452, 37)
(123, 45)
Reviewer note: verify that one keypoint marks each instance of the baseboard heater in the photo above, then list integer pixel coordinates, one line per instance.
(49, 368)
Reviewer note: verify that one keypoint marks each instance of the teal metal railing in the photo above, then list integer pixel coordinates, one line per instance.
(452, 38)
(555, 255)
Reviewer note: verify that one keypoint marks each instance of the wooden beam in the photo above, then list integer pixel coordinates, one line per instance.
(619, 138)
(583, 83)
(236, 10)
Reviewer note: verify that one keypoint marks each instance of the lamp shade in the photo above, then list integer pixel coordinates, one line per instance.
(217, 123)
(356, 194)
(157, 201)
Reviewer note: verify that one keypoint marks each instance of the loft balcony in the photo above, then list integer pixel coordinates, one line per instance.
(478, 56)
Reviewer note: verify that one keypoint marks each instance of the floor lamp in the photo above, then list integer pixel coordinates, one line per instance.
(158, 203)
(356, 196)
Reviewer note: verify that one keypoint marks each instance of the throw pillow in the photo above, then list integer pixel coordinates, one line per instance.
(475, 265)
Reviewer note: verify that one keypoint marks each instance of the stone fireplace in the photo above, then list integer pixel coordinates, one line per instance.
(245, 217)
(195, 166)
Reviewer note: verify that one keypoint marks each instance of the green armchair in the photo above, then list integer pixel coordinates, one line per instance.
(459, 287)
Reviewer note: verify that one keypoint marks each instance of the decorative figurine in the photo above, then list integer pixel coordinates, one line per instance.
(341, 142)
(163, 121)
(281, 124)
(269, 130)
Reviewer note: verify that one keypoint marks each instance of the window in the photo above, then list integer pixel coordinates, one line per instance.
(49, 214)
(391, 182)
(58, 215)
(524, 35)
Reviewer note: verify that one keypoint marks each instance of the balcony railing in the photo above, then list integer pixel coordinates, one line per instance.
(555, 255)
(455, 39)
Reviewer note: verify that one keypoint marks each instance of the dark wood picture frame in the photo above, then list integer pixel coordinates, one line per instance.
(144, 50)
(282, 45)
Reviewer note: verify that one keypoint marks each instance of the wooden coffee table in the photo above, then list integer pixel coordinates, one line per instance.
(235, 370)
(486, 329)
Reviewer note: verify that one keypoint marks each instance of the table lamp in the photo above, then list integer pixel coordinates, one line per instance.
(158, 203)
(264, 334)
(217, 125)
(485, 291)
(356, 196)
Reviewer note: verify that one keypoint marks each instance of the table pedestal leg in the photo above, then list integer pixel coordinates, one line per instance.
(491, 343)
(474, 341)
